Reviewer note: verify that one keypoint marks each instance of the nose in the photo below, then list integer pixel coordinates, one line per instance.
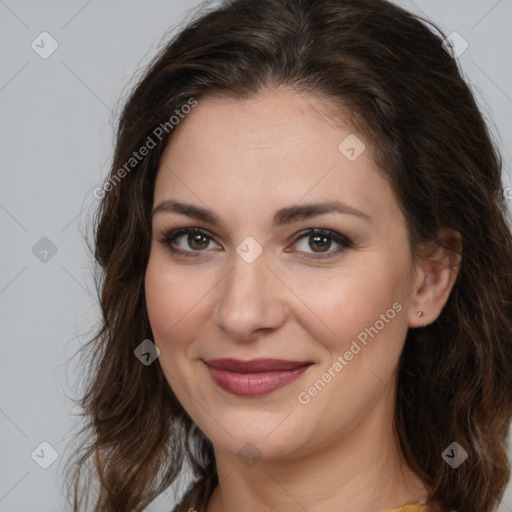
(251, 300)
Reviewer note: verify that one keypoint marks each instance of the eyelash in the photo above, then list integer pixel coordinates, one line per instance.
(343, 241)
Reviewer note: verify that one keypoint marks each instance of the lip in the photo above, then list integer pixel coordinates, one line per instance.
(255, 377)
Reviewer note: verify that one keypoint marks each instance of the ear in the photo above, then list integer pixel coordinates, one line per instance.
(435, 275)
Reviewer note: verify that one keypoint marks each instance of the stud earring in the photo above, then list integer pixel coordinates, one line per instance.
(421, 314)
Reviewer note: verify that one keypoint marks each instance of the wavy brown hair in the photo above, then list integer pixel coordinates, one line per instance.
(387, 69)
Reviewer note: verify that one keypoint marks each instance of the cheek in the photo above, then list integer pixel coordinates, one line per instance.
(170, 301)
(161, 304)
(168, 298)
(171, 293)
(339, 307)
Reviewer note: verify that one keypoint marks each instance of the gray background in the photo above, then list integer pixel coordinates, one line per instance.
(56, 130)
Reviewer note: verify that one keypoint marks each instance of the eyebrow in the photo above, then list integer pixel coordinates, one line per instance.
(282, 216)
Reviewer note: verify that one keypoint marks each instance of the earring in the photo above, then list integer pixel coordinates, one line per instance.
(421, 314)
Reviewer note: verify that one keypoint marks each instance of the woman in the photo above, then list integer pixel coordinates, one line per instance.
(307, 273)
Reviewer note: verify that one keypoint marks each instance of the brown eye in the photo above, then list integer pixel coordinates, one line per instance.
(194, 243)
(319, 241)
(197, 241)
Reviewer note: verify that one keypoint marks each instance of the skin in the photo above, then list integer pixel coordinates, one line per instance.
(245, 159)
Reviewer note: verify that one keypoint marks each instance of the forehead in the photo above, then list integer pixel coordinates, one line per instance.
(268, 151)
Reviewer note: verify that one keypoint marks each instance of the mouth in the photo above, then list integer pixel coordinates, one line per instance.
(255, 377)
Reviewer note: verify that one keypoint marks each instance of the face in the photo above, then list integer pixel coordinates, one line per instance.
(325, 292)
